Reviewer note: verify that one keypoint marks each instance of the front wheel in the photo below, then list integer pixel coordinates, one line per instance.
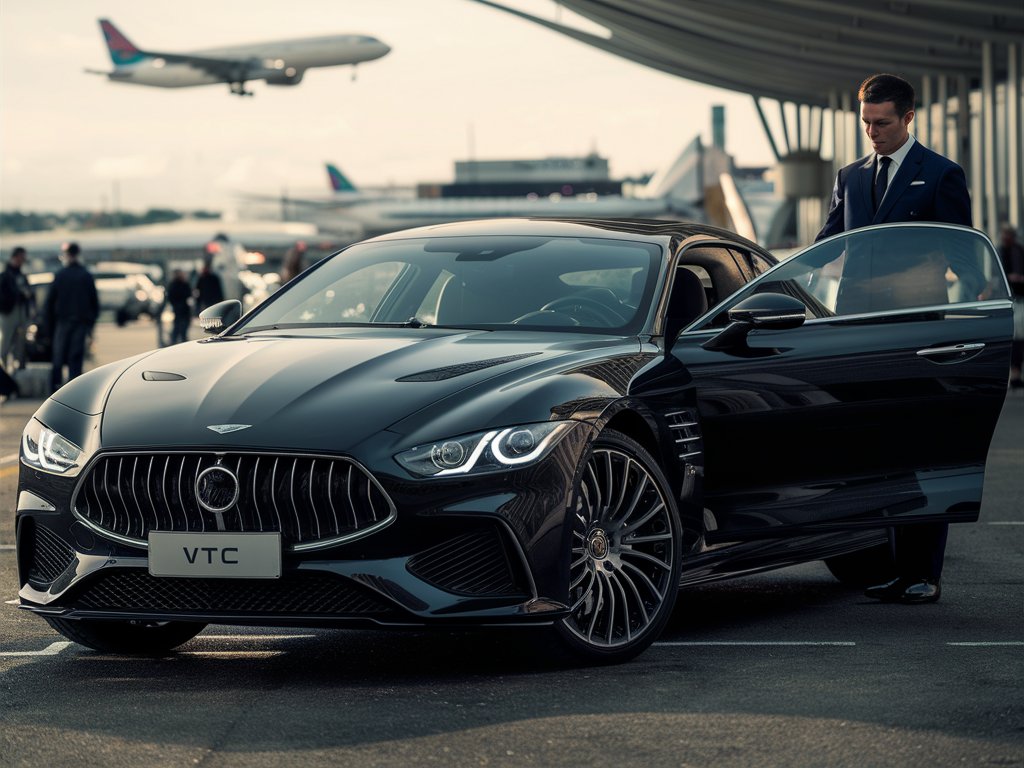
(135, 637)
(624, 550)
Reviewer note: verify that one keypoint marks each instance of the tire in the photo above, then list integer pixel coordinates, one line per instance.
(625, 553)
(865, 567)
(130, 637)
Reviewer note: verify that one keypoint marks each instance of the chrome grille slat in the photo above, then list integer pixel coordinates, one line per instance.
(330, 497)
(256, 495)
(127, 495)
(149, 492)
(291, 495)
(273, 494)
(312, 501)
(106, 487)
(348, 492)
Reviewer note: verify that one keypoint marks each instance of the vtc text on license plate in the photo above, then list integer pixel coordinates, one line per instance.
(216, 555)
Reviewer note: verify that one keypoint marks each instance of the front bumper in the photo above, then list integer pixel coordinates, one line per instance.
(473, 551)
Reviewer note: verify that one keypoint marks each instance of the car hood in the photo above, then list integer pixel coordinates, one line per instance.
(313, 393)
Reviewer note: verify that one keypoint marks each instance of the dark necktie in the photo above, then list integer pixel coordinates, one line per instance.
(881, 180)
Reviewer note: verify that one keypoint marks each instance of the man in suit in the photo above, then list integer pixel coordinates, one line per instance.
(901, 180)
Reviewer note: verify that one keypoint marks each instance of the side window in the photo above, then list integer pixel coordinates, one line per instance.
(888, 269)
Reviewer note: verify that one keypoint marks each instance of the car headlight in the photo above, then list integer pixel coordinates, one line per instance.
(42, 448)
(493, 451)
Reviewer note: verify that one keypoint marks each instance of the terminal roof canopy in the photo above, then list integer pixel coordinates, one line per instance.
(798, 50)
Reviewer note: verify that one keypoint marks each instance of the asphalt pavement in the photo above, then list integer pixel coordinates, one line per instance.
(788, 668)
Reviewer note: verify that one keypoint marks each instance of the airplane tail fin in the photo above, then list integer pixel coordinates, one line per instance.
(122, 51)
(339, 182)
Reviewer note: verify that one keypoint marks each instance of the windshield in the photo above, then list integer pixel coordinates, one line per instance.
(558, 283)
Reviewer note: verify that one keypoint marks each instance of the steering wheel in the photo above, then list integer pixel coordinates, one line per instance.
(582, 305)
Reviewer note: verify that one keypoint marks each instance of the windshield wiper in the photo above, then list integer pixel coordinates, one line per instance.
(413, 322)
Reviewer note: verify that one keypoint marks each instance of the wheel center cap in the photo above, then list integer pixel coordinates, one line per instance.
(597, 544)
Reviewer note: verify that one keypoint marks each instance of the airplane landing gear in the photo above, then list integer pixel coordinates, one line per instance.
(238, 88)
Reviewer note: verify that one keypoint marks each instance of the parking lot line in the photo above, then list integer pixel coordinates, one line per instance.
(754, 643)
(998, 644)
(51, 650)
(8, 459)
(1007, 522)
(252, 637)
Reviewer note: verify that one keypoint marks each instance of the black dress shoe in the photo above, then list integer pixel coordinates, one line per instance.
(906, 590)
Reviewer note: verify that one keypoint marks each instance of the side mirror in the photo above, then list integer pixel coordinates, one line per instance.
(218, 317)
(762, 311)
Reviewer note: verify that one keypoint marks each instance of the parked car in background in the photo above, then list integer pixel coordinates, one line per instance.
(540, 423)
(127, 290)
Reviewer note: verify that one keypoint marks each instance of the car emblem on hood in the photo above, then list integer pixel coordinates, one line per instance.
(223, 429)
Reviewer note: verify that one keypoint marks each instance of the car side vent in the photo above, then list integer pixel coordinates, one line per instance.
(475, 563)
(686, 436)
(451, 371)
(51, 556)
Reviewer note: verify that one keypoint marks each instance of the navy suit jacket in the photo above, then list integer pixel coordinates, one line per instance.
(926, 187)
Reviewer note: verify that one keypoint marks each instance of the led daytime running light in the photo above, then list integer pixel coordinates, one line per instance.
(473, 457)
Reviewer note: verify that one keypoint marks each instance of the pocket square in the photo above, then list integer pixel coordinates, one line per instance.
(916, 183)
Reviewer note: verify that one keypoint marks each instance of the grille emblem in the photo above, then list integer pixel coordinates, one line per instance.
(217, 489)
(223, 429)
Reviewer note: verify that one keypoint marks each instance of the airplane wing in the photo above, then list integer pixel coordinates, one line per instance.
(229, 69)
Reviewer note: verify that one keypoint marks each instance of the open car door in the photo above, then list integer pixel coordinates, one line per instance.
(854, 385)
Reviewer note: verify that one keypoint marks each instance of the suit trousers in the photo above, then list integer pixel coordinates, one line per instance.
(68, 349)
(920, 550)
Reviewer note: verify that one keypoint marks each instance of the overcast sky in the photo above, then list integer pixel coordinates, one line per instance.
(457, 70)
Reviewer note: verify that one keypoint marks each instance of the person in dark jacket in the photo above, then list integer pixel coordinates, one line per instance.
(17, 306)
(1011, 253)
(70, 312)
(178, 294)
(209, 288)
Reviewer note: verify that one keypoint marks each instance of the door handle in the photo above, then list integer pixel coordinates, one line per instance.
(956, 353)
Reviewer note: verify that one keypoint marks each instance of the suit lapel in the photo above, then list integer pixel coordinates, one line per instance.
(906, 173)
(865, 178)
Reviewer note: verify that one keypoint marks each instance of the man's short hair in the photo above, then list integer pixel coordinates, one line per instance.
(878, 89)
(18, 251)
(72, 249)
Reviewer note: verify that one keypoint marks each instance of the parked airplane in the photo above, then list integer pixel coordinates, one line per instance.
(675, 192)
(280, 62)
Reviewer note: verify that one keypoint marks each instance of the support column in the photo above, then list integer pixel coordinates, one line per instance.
(924, 128)
(1014, 135)
(988, 148)
(939, 139)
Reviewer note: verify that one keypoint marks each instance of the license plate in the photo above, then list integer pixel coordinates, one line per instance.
(215, 555)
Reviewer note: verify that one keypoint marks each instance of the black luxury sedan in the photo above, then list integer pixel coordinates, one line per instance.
(546, 422)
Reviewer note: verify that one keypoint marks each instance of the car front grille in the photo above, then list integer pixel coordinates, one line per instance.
(136, 591)
(312, 501)
(476, 563)
(51, 556)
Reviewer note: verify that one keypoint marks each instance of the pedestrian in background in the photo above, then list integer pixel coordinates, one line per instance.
(70, 312)
(179, 293)
(294, 262)
(17, 306)
(902, 180)
(1011, 252)
(209, 288)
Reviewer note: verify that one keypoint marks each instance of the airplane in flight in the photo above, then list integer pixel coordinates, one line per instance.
(279, 62)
